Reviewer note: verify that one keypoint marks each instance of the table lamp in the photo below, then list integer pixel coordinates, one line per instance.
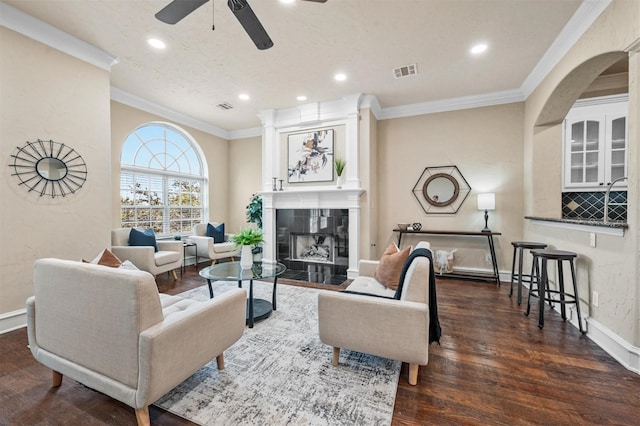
(486, 202)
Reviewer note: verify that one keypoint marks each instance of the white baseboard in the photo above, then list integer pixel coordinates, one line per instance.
(13, 320)
(621, 350)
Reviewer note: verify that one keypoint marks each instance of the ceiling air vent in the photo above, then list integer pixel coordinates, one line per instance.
(405, 71)
(225, 105)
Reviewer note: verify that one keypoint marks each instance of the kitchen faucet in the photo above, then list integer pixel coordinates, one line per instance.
(606, 198)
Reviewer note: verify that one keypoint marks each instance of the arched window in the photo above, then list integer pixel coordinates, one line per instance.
(162, 180)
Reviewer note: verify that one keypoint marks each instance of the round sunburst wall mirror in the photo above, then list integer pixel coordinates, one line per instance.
(49, 168)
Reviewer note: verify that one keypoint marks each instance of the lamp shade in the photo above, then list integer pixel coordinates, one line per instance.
(487, 201)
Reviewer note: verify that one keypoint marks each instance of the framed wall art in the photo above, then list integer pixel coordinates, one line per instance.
(310, 156)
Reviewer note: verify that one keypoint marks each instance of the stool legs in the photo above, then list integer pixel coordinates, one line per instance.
(519, 253)
(575, 292)
(544, 292)
(543, 285)
(513, 269)
(535, 273)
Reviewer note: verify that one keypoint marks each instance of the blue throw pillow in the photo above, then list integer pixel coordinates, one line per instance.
(146, 238)
(216, 232)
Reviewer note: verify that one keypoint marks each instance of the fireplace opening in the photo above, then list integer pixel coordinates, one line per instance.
(317, 248)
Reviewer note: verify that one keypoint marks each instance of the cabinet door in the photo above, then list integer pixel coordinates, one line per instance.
(584, 143)
(616, 127)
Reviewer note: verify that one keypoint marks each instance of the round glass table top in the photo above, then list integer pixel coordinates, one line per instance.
(233, 272)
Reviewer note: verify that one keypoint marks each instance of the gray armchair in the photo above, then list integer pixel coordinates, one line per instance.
(169, 256)
(110, 329)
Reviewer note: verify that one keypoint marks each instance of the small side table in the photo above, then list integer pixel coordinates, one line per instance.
(184, 255)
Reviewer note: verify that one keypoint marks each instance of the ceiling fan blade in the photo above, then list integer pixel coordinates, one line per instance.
(250, 23)
(178, 9)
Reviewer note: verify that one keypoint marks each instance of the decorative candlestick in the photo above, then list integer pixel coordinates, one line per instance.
(274, 183)
(281, 180)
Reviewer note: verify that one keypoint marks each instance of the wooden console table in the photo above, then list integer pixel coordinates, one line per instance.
(464, 275)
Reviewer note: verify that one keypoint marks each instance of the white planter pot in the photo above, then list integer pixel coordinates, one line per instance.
(246, 257)
(340, 181)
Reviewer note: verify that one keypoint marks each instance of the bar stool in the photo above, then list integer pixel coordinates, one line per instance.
(542, 281)
(518, 251)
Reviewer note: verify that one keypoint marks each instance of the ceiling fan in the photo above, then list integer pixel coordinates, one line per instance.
(178, 9)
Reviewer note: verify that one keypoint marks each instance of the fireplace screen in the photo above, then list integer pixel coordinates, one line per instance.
(318, 248)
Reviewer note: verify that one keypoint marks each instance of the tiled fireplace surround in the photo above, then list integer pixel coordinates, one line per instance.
(301, 202)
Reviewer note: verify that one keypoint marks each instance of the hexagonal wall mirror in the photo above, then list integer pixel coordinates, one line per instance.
(441, 190)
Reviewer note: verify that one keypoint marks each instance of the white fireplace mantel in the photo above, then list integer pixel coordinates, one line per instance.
(312, 198)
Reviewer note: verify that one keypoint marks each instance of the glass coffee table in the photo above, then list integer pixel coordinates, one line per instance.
(257, 309)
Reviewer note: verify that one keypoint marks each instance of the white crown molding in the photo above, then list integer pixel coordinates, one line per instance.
(47, 34)
(245, 133)
(453, 104)
(585, 16)
(371, 102)
(601, 100)
(134, 101)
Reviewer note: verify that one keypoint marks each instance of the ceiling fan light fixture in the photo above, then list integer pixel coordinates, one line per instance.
(156, 43)
(479, 48)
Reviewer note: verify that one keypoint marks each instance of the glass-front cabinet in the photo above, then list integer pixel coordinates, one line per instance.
(595, 143)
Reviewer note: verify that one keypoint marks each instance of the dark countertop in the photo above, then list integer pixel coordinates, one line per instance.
(610, 224)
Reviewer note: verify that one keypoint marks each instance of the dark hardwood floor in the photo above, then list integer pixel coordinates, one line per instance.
(493, 367)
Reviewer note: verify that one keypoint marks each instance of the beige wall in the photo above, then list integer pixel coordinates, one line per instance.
(245, 168)
(486, 146)
(611, 268)
(47, 94)
(125, 119)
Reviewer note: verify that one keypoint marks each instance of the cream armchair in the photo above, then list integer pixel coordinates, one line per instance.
(109, 329)
(213, 251)
(169, 256)
(370, 320)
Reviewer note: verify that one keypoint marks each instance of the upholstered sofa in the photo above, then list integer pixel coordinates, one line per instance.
(366, 317)
(207, 248)
(169, 256)
(110, 329)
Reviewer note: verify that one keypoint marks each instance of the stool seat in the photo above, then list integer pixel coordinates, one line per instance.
(528, 245)
(541, 257)
(555, 254)
(519, 275)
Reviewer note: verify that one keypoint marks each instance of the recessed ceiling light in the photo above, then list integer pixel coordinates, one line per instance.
(158, 44)
(301, 98)
(243, 96)
(340, 77)
(479, 48)
(287, 1)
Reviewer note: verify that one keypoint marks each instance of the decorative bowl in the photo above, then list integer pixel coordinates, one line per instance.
(403, 226)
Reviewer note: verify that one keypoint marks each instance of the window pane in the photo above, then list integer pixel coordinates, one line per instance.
(164, 196)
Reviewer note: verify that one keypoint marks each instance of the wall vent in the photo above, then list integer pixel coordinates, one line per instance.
(405, 71)
(225, 105)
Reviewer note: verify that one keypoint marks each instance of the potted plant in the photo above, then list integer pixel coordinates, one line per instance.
(246, 239)
(339, 165)
(254, 210)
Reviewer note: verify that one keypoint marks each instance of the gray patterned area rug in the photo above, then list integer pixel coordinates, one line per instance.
(279, 373)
